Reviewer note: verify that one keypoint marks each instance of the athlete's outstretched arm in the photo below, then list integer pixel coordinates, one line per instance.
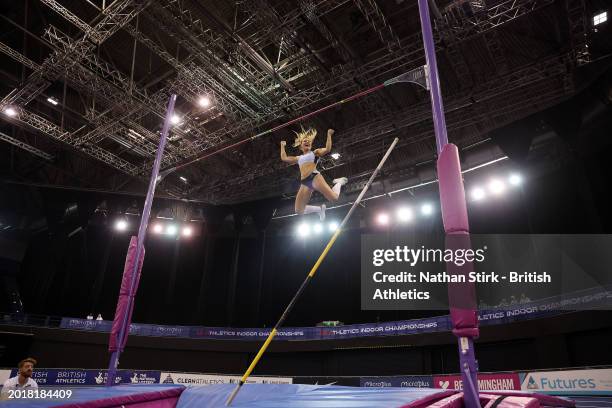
(328, 145)
(284, 157)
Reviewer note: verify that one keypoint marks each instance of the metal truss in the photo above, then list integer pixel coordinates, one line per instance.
(389, 124)
(418, 144)
(251, 93)
(85, 80)
(68, 15)
(341, 82)
(468, 26)
(242, 76)
(194, 77)
(378, 22)
(53, 131)
(18, 56)
(496, 51)
(578, 29)
(293, 18)
(309, 10)
(25, 146)
(115, 16)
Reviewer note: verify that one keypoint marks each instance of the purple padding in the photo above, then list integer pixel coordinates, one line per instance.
(454, 401)
(158, 399)
(510, 402)
(128, 396)
(462, 296)
(428, 400)
(544, 399)
(452, 195)
(124, 293)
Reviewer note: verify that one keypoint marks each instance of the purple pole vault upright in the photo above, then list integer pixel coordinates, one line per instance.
(133, 261)
(462, 297)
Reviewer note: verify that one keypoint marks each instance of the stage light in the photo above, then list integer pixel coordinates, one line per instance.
(53, 101)
(426, 209)
(383, 219)
(187, 231)
(303, 230)
(318, 228)
(158, 228)
(335, 156)
(204, 101)
(404, 214)
(333, 226)
(600, 18)
(175, 119)
(497, 187)
(10, 112)
(171, 229)
(121, 225)
(515, 179)
(478, 194)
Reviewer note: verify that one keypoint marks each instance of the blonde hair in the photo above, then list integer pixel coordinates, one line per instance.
(308, 134)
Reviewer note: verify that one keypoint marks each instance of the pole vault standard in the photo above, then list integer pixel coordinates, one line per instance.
(417, 76)
(133, 262)
(462, 297)
(309, 277)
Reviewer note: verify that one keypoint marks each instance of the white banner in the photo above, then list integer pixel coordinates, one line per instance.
(582, 381)
(4, 375)
(210, 379)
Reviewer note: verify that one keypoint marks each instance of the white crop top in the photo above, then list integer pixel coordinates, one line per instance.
(309, 157)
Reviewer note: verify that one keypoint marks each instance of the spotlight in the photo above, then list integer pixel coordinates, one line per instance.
(318, 228)
(478, 194)
(204, 102)
(303, 230)
(171, 229)
(53, 101)
(121, 225)
(404, 214)
(10, 112)
(515, 179)
(333, 226)
(187, 231)
(175, 119)
(600, 18)
(497, 187)
(383, 219)
(157, 228)
(426, 209)
(335, 156)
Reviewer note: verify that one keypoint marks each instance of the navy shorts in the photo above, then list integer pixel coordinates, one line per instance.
(308, 180)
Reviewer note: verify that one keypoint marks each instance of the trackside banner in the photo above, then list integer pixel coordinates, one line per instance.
(508, 314)
(76, 377)
(598, 381)
(211, 379)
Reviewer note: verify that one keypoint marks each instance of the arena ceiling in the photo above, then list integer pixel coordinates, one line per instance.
(84, 84)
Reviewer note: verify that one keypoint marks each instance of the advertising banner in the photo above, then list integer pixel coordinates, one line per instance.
(486, 382)
(507, 314)
(597, 381)
(397, 381)
(211, 379)
(77, 377)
